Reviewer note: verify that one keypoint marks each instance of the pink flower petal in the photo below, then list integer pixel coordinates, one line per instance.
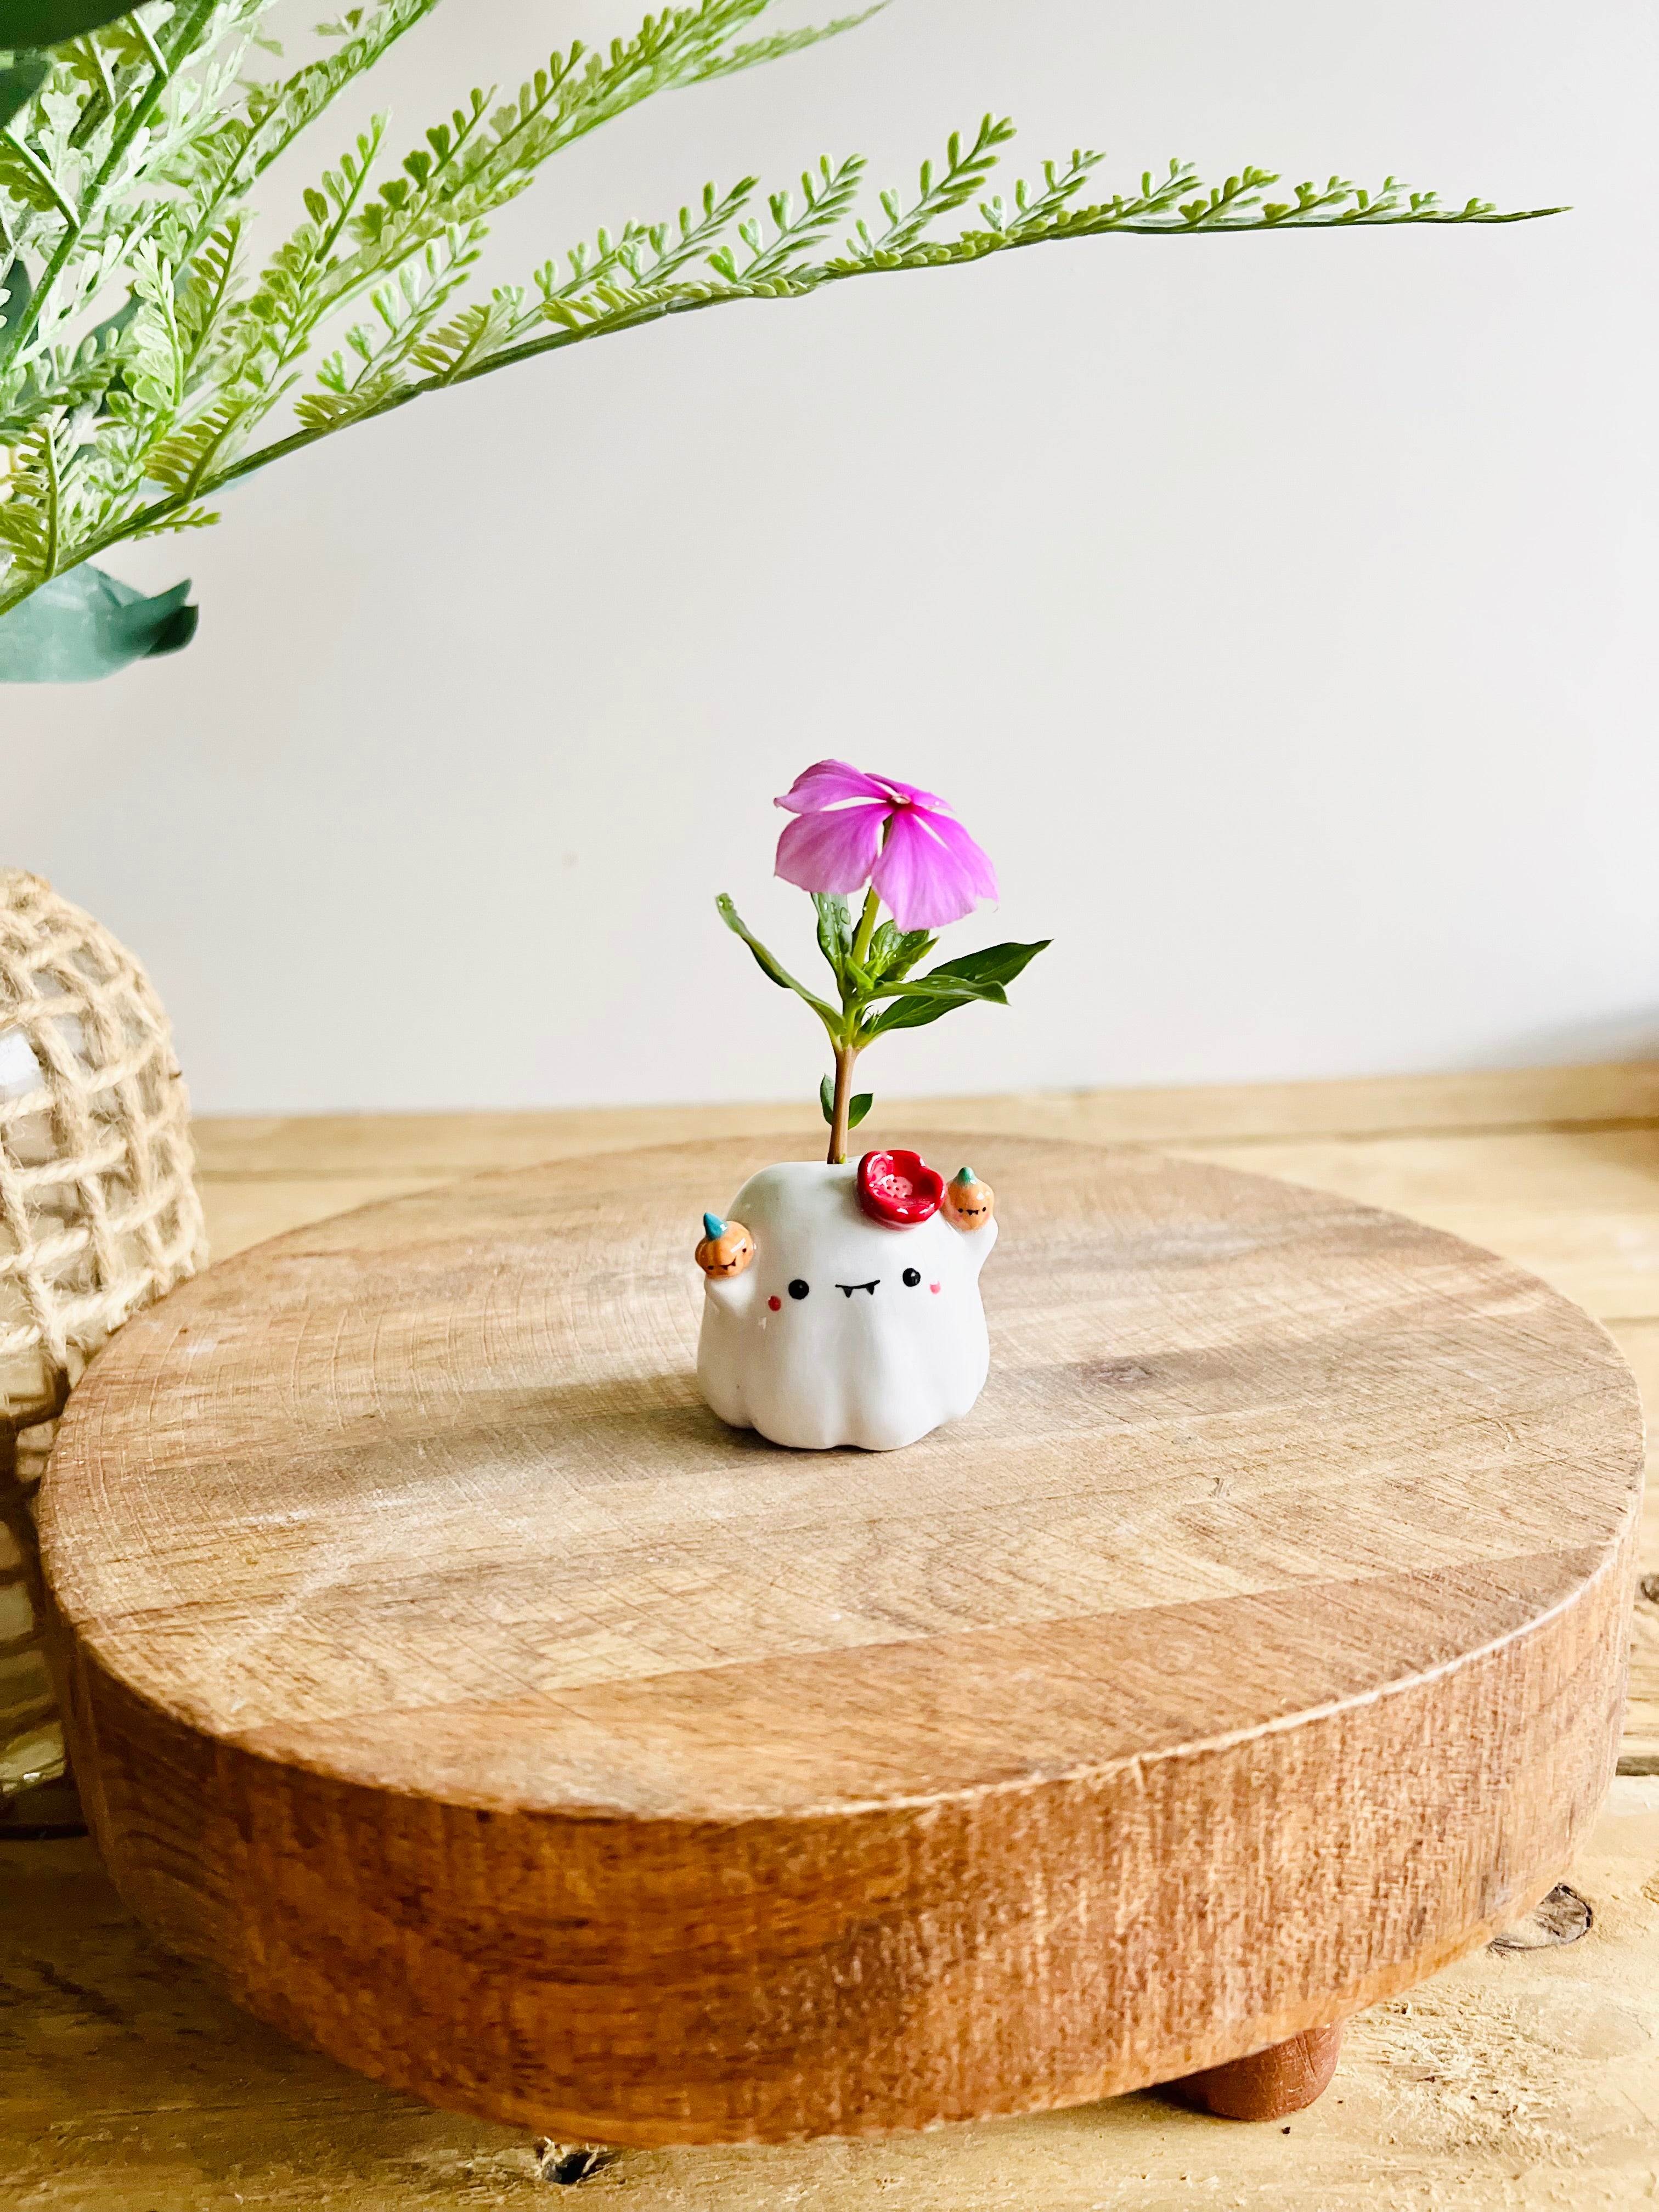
(925, 880)
(929, 871)
(973, 858)
(830, 783)
(913, 793)
(832, 851)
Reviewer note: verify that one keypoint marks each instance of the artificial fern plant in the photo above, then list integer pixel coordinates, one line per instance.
(150, 356)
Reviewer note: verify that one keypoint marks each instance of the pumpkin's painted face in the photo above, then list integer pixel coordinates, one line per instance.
(726, 1251)
(847, 1326)
(968, 1202)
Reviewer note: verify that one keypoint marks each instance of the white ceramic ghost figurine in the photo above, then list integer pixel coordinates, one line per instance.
(842, 1304)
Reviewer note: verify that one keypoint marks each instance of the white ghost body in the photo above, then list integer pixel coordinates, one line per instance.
(863, 1358)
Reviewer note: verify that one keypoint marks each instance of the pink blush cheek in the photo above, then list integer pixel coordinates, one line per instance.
(776, 1304)
(934, 1288)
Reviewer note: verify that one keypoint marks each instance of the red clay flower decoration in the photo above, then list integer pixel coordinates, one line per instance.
(899, 1188)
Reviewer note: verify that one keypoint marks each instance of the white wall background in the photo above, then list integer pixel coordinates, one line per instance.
(1279, 611)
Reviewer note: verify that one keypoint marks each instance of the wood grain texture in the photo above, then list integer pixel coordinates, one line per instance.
(1526, 2083)
(1579, 1209)
(452, 1683)
(439, 1146)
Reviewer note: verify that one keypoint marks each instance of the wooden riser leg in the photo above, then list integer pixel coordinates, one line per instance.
(1270, 2084)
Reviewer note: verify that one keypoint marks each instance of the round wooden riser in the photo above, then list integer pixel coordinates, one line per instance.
(442, 1671)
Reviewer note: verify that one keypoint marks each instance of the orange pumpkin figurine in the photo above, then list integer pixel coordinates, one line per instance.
(967, 1203)
(726, 1250)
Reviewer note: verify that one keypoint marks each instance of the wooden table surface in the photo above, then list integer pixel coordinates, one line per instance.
(1525, 2078)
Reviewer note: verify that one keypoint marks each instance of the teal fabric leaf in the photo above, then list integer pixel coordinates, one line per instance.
(20, 83)
(49, 22)
(85, 624)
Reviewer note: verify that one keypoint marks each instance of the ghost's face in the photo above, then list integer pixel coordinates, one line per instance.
(843, 1329)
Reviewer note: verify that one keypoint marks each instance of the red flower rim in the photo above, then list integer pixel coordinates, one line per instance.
(899, 1188)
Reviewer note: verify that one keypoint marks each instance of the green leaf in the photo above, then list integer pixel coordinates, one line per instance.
(936, 984)
(85, 624)
(835, 929)
(49, 22)
(911, 1014)
(919, 1003)
(959, 982)
(20, 83)
(895, 951)
(769, 965)
(857, 1108)
(789, 42)
(960, 990)
(14, 283)
(997, 964)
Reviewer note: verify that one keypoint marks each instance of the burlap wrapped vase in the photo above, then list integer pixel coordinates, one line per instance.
(99, 1215)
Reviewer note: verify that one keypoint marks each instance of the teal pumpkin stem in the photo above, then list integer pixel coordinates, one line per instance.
(713, 1225)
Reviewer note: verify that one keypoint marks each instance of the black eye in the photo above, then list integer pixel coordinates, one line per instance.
(799, 1290)
(911, 1279)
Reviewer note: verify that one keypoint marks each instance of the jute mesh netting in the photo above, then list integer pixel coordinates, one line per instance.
(99, 1215)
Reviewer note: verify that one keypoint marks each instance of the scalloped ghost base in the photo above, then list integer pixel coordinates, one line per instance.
(843, 1329)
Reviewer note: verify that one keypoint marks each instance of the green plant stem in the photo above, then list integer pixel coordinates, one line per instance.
(846, 1045)
(845, 1059)
(866, 928)
(53, 505)
(158, 59)
(43, 175)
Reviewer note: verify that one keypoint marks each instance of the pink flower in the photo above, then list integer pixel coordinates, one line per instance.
(927, 867)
